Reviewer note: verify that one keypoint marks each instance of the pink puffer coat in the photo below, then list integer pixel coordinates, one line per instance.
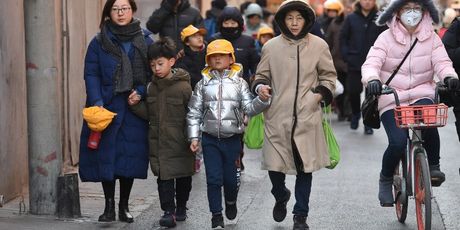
(415, 79)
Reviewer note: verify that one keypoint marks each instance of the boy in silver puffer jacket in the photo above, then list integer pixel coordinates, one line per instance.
(216, 111)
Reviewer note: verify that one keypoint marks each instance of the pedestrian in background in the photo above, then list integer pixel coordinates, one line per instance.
(357, 35)
(296, 71)
(217, 106)
(172, 17)
(263, 36)
(334, 8)
(115, 65)
(165, 108)
(193, 61)
(253, 20)
(414, 82)
(210, 23)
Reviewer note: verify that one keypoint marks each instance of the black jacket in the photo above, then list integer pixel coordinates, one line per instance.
(168, 23)
(193, 62)
(357, 35)
(451, 41)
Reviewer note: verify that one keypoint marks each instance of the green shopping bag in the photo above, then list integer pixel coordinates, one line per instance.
(254, 134)
(332, 145)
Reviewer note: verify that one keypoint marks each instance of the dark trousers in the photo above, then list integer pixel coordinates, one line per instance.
(354, 87)
(179, 188)
(125, 188)
(302, 190)
(397, 142)
(342, 105)
(220, 159)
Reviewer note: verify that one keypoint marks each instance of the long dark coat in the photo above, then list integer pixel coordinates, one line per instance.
(165, 108)
(123, 148)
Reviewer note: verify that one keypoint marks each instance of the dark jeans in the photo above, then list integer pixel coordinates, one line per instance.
(302, 190)
(397, 141)
(179, 188)
(220, 159)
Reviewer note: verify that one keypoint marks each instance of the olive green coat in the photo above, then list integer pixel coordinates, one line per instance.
(165, 107)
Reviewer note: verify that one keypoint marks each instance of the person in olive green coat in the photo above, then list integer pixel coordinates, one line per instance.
(165, 108)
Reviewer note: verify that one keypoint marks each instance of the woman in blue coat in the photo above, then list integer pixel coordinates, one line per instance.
(115, 65)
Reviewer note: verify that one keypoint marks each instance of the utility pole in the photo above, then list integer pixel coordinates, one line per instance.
(42, 30)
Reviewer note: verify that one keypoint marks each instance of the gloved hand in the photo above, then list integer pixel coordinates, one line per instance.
(452, 83)
(169, 4)
(374, 87)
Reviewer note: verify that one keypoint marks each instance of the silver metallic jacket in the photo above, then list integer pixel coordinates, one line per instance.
(219, 103)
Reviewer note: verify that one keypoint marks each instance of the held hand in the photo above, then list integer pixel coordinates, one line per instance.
(180, 54)
(264, 92)
(452, 83)
(194, 146)
(134, 98)
(374, 87)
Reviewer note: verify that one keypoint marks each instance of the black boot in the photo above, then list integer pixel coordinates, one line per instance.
(109, 211)
(280, 211)
(437, 176)
(386, 191)
(123, 212)
(300, 223)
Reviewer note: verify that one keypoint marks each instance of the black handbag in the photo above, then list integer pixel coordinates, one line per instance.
(369, 108)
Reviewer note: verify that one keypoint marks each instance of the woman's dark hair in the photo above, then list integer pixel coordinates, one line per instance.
(165, 47)
(108, 8)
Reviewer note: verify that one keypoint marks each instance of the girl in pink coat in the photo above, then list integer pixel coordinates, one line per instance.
(414, 82)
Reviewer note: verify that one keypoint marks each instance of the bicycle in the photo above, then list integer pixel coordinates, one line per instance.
(412, 177)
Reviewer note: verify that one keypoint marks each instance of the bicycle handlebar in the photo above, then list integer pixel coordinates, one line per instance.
(388, 90)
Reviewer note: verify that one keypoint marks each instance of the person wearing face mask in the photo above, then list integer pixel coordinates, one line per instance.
(408, 21)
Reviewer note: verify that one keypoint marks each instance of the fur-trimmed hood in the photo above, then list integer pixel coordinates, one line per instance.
(395, 5)
(307, 13)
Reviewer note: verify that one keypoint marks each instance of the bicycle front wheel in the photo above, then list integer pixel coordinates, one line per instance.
(400, 190)
(422, 191)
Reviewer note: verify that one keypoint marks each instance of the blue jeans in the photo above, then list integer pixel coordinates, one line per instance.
(302, 190)
(220, 158)
(397, 141)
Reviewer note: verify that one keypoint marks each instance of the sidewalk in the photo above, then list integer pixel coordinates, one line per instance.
(143, 195)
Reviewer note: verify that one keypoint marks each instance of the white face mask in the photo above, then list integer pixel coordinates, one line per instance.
(411, 18)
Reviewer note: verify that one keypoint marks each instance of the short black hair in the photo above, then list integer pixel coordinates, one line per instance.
(165, 47)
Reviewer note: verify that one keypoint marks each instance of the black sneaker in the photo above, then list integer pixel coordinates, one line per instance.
(300, 223)
(181, 213)
(368, 130)
(217, 221)
(230, 210)
(437, 177)
(168, 220)
(279, 211)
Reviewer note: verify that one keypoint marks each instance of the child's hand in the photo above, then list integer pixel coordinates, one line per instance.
(194, 146)
(134, 98)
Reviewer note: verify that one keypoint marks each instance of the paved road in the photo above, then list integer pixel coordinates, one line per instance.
(343, 198)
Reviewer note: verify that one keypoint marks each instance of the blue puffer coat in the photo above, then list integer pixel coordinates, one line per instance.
(123, 148)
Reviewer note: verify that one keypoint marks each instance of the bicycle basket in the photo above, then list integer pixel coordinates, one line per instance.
(421, 116)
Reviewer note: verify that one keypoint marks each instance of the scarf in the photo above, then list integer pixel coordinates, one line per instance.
(129, 73)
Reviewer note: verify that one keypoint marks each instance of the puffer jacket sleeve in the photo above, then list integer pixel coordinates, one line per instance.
(262, 75)
(93, 75)
(251, 106)
(140, 110)
(195, 112)
(374, 61)
(442, 65)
